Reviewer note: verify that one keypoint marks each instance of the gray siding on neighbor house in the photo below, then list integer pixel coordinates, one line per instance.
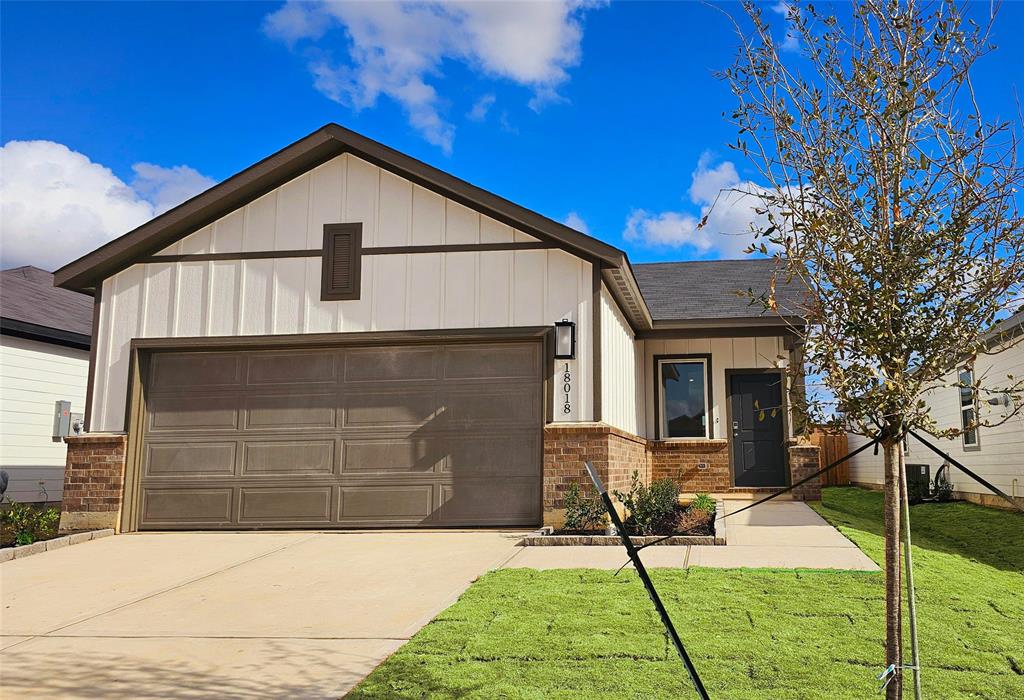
(999, 456)
(34, 375)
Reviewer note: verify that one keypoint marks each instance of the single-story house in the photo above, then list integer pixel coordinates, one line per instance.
(44, 358)
(995, 452)
(343, 336)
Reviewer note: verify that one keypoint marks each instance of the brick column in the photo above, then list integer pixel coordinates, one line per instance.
(93, 482)
(614, 453)
(803, 461)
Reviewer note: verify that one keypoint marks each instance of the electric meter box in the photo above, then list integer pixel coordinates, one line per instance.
(61, 420)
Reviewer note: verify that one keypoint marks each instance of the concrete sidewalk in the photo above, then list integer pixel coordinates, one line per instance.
(785, 535)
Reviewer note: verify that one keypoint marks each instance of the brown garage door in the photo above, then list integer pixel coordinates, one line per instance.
(419, 435)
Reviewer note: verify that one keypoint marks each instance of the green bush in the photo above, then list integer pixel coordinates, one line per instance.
(652, 509)
(21, 523)
(581, 512)
(703, 502)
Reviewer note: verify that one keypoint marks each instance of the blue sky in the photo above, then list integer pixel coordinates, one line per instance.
(604, 112)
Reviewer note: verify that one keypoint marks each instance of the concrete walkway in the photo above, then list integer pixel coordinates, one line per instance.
(785, 535)
(219, 615)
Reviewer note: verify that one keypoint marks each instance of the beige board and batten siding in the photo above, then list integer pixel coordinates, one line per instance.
(999, 457)
(475, 289)
(621, 370)
(33, 376)
(761, 352)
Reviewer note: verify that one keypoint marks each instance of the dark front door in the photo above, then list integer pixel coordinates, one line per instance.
(758, 438)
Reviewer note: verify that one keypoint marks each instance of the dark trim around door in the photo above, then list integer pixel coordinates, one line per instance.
(142, 348)
(94, 341)
(596, 303)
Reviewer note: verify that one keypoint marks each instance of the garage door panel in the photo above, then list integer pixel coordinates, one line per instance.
(389, 365)
(384, 409)
(491, 362)
(292, 410)
(285, 504)
(288, 458)
(391, 455)
(473, 501)
(206, 506)
(382, 503)
(174, 459)
(192, 412)
(293, 368)
(176, 371)
(492, 456)
(501, 405)
(419, 435)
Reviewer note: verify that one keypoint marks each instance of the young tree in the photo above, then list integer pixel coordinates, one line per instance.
(890, 197)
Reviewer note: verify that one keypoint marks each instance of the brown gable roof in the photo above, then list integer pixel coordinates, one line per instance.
(30, 306)
(303, 155)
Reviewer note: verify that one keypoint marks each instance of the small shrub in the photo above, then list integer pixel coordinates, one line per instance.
(581, 512)
(695, 521)
(652, 509)
(703, 502)
(21, 523)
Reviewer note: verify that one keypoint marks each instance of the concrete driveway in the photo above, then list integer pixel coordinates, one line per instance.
(241, 615)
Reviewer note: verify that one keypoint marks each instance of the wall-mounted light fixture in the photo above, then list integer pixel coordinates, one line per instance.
(565, 340)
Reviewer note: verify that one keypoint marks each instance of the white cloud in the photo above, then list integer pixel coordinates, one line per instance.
(56, 204)
(397, 49)
(575, 221)
(166, 188)
(792, 41)
(728, 202)
(481, 107)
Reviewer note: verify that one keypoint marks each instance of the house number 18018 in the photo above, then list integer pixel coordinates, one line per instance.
(567, 389)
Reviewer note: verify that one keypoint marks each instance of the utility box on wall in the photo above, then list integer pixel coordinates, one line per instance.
(61, 420)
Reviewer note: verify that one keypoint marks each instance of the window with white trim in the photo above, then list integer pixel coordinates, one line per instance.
(968, 410)
(684, 400)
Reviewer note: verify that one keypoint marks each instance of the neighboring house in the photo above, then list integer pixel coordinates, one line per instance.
(994, 453)
(343, 336)
(44, 358)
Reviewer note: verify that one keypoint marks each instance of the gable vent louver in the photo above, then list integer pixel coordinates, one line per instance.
(341, 262)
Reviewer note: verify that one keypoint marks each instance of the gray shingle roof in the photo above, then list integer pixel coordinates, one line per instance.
(707, 289)
(27, 295)
(1005, 329)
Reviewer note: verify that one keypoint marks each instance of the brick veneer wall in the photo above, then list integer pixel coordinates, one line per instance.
(696, 465)
(803, 461)
(613, 452)
(93, 482)
(627, 453)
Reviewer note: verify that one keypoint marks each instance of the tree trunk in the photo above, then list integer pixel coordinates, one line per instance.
(893, 608)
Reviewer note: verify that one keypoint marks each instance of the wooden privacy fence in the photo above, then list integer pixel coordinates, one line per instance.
(832, 446)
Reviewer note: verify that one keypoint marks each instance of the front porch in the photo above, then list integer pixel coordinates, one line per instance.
(697, 466)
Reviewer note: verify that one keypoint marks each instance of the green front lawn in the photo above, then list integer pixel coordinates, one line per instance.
(753, 633)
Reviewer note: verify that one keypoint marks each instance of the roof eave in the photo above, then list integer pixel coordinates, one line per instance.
(622, 285)
(795, 322)
(44, 334)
